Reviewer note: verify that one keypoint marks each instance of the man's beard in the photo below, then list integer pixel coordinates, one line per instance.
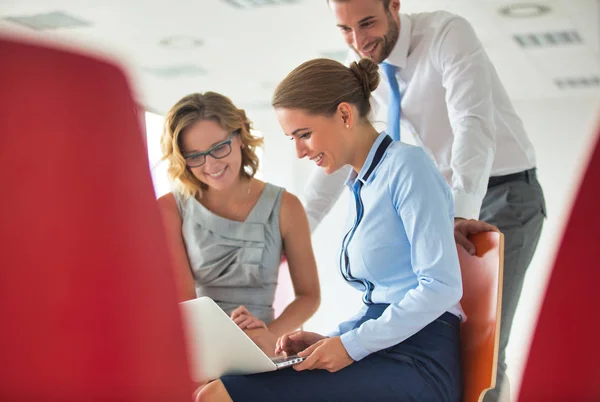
(388, 41)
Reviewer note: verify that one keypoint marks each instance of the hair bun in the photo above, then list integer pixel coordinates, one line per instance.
(367, 73)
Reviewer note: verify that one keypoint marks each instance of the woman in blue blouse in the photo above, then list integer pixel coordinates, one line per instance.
(399, 251)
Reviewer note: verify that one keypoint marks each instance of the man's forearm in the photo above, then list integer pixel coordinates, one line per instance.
(321, 193)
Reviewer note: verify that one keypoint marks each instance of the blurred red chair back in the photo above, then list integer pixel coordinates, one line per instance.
(87, 300)
(563, 363)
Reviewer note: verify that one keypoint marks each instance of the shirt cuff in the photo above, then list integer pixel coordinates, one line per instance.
(333, 334)
(466, 206)
(353, 347)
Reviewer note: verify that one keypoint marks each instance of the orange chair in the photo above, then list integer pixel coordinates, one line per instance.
(88, 309)
(482, 301)
(564, 360)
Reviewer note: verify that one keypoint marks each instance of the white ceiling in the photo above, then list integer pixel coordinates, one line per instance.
(245, 52)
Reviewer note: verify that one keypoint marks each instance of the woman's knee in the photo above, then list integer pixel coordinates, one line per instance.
(214, 392)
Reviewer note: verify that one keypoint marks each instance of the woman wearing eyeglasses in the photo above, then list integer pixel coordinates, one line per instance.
(227, 230)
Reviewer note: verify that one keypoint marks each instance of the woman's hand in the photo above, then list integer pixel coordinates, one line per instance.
(245, 319)
(295, 342)
(327, 354)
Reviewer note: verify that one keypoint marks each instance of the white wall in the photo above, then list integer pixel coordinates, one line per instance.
(158, 169)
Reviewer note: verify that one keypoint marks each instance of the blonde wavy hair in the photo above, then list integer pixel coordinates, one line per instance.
(207, 106)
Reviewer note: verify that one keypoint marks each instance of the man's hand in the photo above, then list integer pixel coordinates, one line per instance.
(327, 354)
(464, 228)
(294, 342)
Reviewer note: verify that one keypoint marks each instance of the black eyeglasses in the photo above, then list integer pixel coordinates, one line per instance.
(218, 151)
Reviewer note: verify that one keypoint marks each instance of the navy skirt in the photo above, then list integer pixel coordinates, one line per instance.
(425, 367)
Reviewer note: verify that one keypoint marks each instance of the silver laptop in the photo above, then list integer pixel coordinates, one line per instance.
(218, 347)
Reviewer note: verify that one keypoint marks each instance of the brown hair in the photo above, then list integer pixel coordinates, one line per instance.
(386, 3)
(318, 86)
(207, 106)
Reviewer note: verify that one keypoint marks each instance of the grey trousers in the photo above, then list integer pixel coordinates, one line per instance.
(516, 206)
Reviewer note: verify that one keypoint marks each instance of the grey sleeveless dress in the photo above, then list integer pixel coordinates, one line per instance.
(235, 263)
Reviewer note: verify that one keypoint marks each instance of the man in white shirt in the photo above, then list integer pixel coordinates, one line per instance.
(446, 97)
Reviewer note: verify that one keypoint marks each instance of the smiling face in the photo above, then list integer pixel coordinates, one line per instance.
(317, 137)
(368, 27)
(205, 135)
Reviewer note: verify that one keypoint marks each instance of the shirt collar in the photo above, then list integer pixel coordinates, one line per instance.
(399, 53)
(374, 157)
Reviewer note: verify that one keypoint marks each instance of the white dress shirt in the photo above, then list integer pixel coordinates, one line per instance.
(453, 105)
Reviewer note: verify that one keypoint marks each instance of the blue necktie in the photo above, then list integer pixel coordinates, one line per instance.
(393, 101)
